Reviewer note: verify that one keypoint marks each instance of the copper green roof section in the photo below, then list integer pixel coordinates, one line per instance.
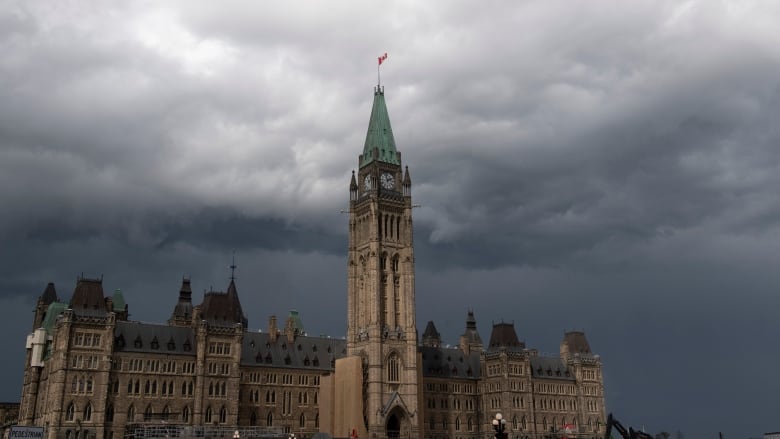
(297, 323)
(119, 300)
(380, 144)
(54, 311)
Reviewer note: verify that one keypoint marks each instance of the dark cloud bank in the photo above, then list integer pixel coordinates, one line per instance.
(612, 172)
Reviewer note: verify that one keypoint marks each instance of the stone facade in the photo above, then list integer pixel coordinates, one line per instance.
(90, 372)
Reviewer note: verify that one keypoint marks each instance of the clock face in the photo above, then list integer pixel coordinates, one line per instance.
(367, 183)
(387, 181)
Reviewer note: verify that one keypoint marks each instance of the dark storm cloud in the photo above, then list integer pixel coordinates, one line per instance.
(603, 166)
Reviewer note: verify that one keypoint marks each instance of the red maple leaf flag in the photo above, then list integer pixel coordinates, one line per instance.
(382, 58)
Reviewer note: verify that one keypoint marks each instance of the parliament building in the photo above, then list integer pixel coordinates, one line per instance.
(93, 373)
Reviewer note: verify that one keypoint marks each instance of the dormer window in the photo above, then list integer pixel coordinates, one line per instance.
(138, 343)
(187, 346)
(155, 343)
(171, 345)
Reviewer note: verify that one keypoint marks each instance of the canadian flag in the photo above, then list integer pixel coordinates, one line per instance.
(382, 58)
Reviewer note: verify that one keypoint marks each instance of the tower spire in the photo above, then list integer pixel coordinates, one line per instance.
(233, 267)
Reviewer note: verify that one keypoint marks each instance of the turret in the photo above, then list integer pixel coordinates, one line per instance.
(407, 183)
(48, 297)
(353, 188)
(431, 337)
(182, 312)
(470, 341)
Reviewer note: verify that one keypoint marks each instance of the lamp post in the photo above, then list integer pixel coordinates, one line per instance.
(499, 424)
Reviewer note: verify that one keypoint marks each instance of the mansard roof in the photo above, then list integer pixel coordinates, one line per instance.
(154, 338)
(88, 299)
(316, 353)
(504, 336)
(223, 309)
(438, 362)
(380, 143)
(577, 342)
(550, 368)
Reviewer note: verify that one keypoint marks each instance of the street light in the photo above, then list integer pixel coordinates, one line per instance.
(499, 424)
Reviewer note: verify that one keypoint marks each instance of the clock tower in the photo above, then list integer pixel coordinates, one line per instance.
(382, 330)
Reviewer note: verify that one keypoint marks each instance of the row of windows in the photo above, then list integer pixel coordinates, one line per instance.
(81, 384)
(589, 375)
(560, 389)
(217, 388)
(590, 390)
(156, 366)
(269, 359)
(451, 388)
(457, 404)
(286, 379)
(218, 368)
(150, 388)
(556, 404)
(86, 339)
(84, 361)
(219, 348)
(517, 385)
(284, 347)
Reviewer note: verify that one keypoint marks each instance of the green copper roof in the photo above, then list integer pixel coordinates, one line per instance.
(54, 311)
(119, 300)
(380, 134)
(297, 323)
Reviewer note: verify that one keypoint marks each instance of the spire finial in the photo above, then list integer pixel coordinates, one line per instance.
(233, 267)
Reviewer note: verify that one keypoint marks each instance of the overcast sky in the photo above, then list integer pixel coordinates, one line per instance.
(605, 166)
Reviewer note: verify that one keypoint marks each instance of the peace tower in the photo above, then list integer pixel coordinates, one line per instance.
(382, 330)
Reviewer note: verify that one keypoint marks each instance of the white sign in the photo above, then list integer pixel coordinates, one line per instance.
(23, 432)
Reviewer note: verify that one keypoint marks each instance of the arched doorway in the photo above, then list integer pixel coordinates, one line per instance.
(393, 426)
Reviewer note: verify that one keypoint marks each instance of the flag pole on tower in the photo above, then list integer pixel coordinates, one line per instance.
(380, 59)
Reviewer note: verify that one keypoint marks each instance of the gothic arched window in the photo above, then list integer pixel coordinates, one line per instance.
(88, 412)
(207, 418)
(110, 413)
(302, 421)
(185, 414)
(393, 368)
(222, 415)
(131, 413)
(269, 420)
(70, 412)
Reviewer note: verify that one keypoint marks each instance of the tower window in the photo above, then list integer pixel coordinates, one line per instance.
(393, 368)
